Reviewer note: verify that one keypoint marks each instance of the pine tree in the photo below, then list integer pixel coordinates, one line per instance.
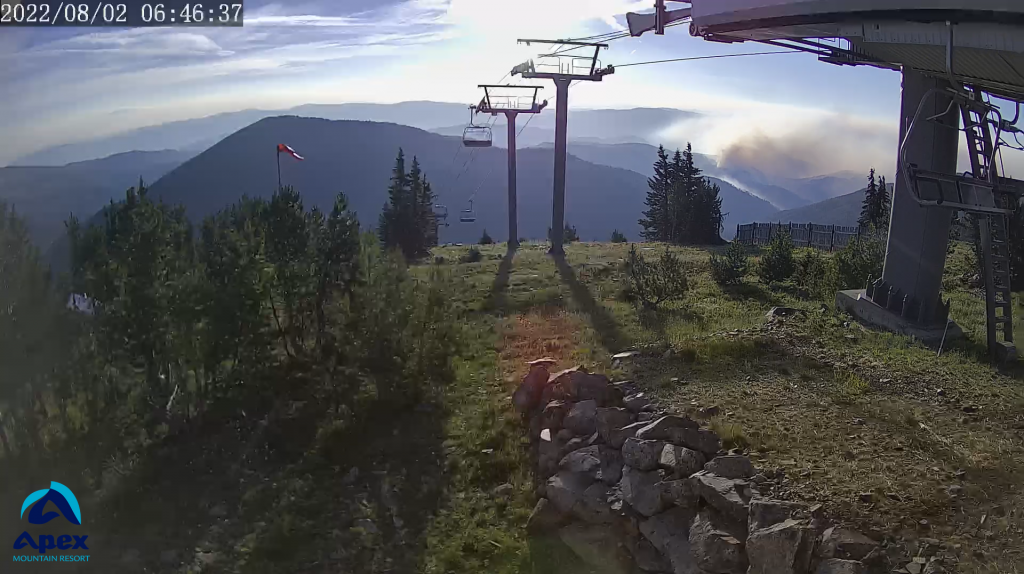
(688, 203)
(657, 219)
(408, 221)
(875, 210)
(392, 223)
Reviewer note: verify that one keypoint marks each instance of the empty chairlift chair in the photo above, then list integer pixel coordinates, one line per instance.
(477, 136)
(468, 215)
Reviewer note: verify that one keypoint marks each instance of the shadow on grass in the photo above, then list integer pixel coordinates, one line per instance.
(658, 319)
(497, 298)
(280, 495)
(752, 291)
(600, 319)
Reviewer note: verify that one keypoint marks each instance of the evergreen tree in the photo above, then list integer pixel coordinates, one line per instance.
(408, 221)
(875, 209)
(657, 219)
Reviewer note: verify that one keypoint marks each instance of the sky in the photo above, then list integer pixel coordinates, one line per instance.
(67, 85)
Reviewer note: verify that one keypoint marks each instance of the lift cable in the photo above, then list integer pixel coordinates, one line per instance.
(708, 58)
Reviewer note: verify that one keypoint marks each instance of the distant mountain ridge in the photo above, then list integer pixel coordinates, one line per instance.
(842, 210)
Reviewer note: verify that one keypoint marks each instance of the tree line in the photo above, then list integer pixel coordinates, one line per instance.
(683, 206)
(264, 301)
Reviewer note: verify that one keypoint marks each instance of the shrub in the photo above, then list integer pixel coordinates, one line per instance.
(486, 239)
(618, 237)
(471, 256)
(861, 258)
(730, 268)
(816, 275)
(651, 284)
(776, 263)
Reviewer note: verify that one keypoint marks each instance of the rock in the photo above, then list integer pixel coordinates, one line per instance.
(669, 533)
(625, 388)
(716, 551)
(503, 489)
(642, 454)
(566, 489)
(545, 517)
(565, 435)
(730, 466)
(867, 497)
(648, 558)
(645, 416)
(593, 507)
(728, 496)
(527, 397)
(611, 419)
(679, 492)
(837, 566)
(585, 461)
(680, 461)
(611, 465)
(624, 355)
(783, 548)
(846, 544)
(549, 454)
(582, 418)
(705, 441)
(553, 415)
(709, 412)
(598, 546)
(618, 437)
(639, 490)
(781, 312)
(636, 403)
(914, 568)
(579, 442)
(586, 387)
(765, 513)
(659, 429)
(955, 490)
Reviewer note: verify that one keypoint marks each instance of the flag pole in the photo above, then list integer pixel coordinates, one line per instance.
(279, 170)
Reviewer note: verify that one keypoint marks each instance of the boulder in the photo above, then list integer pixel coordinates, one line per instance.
(659, 429)
(845, 544)
(716, 551)
(579, 442)
(648, 558)
(593, 507)
(549, 453)
(585, 461)
(566, 489)
(837, 566)
(636, 403)
(587, 387)
(582, 418)
(765, 513)
(783, 548)
(642, 454)
(646, 416)
(610, 419)
(705, 441)
(617, 437)
(669, 533)
(598, 546)
(680, 461)
(679, 492)
(553, 415)
(730, 466)
(728, 496)
(545, 517)
(527, 396)
(611, 465)
(641, 491)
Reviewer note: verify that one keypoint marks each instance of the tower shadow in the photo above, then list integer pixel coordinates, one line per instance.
(497, 299)
(600, 319)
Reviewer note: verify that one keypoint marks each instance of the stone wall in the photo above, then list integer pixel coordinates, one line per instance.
(630, 488)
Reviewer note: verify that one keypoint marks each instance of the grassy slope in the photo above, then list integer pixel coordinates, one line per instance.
(446, 487)
(844, 410)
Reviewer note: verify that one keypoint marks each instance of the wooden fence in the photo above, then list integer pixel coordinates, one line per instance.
(823, 237)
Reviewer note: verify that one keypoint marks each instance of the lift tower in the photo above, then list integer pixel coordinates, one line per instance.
(511, 101)
(563, 67)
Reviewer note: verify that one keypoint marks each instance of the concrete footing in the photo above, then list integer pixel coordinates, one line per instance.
(857, 304)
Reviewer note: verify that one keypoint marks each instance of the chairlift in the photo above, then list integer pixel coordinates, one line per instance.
(474, 135)
(468, 216)
(441, 214)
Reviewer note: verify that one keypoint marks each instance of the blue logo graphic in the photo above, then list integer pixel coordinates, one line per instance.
(61, 496)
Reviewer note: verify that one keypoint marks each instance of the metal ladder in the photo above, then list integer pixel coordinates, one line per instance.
(993, 232)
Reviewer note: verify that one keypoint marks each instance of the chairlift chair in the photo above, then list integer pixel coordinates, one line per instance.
(468, 216)
(474, 135)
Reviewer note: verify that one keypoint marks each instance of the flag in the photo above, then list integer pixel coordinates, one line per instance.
(289, 151)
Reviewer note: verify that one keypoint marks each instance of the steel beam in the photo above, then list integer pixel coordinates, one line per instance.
(561, 135)
(513, 207)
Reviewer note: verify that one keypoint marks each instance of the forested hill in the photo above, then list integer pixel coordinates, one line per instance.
(357, 158)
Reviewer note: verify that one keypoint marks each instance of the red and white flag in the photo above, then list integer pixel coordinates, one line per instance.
(287, 149)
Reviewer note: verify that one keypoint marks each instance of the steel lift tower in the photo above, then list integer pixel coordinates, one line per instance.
(564, 68)
(952, 54)
(511, 101)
